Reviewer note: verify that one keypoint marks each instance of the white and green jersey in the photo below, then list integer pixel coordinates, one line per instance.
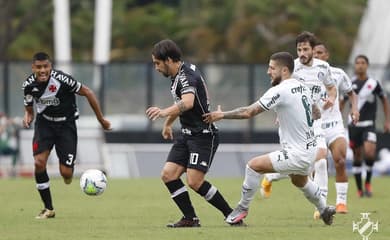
(343, 85)
(316, 77)
(292, 103)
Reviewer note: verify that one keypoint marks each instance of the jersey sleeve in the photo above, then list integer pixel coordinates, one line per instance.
(28, 97)
(67, 81)
(326, 76)
(188, 83)
(345, 85)
(270, 99)
(379, 91)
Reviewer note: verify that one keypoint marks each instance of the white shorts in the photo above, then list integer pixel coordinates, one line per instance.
(293, 162)
(332, 131)
(319, 134)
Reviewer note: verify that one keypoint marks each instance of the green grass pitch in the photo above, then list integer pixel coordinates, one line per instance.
(140, 208)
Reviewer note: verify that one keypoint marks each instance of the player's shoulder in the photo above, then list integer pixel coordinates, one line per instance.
(63, 77)
(320, 63)
(29, 81)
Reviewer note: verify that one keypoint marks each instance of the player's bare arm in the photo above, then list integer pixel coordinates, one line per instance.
(167, 131)
(238, 113)
(385, 104)
(355, 115)
(28, 116)
(93, 102)
(186, 103)
(332, 94)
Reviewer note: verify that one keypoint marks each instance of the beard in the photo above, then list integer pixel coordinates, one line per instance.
(276, 81)
(305, 60)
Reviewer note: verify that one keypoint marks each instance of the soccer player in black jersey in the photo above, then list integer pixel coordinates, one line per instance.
(192, 151)
(362, 135)
(53, 93)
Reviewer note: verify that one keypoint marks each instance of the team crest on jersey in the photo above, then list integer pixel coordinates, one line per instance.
(52, 88)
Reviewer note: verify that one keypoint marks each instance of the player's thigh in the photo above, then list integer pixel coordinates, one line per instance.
(369, 144)
(262, 164)
(338, 149)
(44, 138)
(179, 153)
(171, 171)
(66, 143)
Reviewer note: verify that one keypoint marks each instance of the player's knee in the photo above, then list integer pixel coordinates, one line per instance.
(39, 165)
(67, 174)
(193, 184)
(166, 176)
(339, 162)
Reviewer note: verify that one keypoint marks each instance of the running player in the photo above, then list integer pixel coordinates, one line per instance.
(53, 93)
(334, 133)
(362, 135)
(292, 102)
(192, 151)
(316, 75)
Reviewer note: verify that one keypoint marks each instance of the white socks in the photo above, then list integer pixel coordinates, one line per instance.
(249, 186)
(313, 193)
(341, 192)
(321, 176)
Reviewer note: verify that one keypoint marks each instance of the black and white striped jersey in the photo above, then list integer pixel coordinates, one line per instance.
(190, 80)
(367, 92)
(54, 98)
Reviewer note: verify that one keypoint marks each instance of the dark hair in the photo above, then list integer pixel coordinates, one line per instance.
(285, 59)
(306, 37)
(41, 56)
(364, 57)
(166, 49)
(319, 42)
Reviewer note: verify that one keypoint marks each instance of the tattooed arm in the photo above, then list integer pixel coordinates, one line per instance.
(238, 113)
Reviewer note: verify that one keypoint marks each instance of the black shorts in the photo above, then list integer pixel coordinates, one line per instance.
(358, 135)
(194, 151)
(62, 135)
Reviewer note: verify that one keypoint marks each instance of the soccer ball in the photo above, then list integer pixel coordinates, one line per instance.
(93, 182)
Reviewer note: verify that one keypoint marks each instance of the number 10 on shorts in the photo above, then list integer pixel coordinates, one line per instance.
(194, 158)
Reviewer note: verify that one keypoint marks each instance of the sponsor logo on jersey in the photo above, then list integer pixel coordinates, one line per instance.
(273, 100)
(49, 102)
(298, 89)
(35, 89)
(29, 98)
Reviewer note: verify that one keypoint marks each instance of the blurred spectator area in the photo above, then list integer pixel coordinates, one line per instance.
(128, 88)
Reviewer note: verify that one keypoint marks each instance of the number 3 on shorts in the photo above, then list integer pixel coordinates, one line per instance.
(70, 159)
(194, 158)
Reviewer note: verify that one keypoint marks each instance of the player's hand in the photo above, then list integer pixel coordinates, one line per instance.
(355, 115)
(106, 125)
(27, 120)
(328, 103)
(167, 133)
(154, 113)
(213, 116)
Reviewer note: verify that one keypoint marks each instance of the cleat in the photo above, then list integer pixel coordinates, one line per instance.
(341, 208)
(184, 222)
(237, 215)
(46, 213)
(266, 188)
(367, 191)
(328, 214)
(316, 215)
(360, 193)
(238, 224)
